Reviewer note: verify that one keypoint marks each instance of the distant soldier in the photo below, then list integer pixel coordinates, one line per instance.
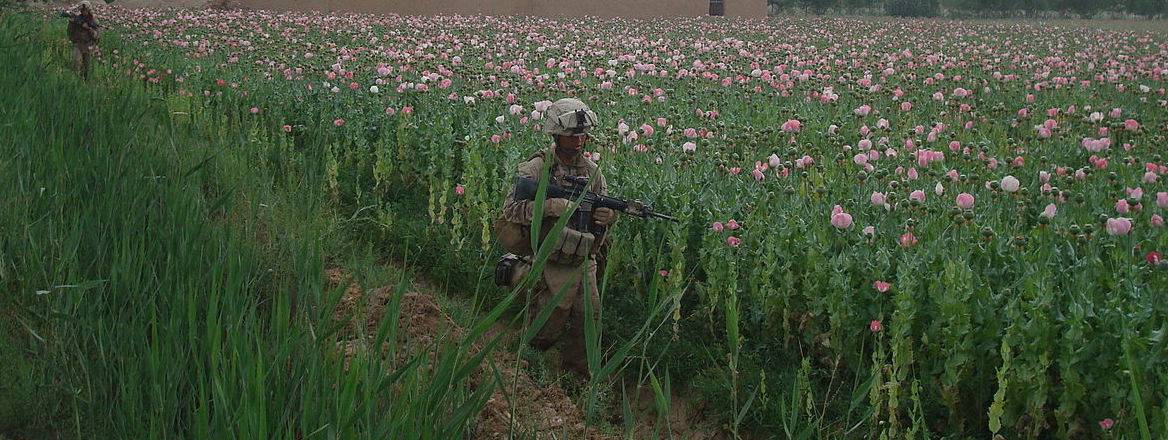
(83, 32)
(568, 122)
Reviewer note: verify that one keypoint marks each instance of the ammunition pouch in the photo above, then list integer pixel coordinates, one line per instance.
(572, 247)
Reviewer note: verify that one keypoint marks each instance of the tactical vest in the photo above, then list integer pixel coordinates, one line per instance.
(78, 34)
(571, 246)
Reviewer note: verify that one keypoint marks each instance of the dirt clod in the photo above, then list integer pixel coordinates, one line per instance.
(520, 406)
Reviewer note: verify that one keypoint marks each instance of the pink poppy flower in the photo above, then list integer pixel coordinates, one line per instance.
(1119, 226)
(804, 161)
(841, 220)
(792, 126)
(1050, 211)
(1010, 184)
(908, 239)
(773, 161)
(1122, 207)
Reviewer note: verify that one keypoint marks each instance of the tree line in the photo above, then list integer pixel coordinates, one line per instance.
(988, 8)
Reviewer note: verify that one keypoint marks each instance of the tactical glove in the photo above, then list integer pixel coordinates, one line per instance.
(556, 207)
(603, 216)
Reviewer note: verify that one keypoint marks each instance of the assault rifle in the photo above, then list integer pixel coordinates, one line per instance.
(581, 220)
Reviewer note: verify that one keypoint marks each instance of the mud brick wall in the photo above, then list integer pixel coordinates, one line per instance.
(547, 8)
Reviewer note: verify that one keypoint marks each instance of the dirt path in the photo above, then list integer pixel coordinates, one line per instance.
(543, 410)
(522, 404)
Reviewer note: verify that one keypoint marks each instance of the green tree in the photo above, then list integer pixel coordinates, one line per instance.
(1146, 8)
(819, 6)
(1084, 8)
(782, 4)
(858, 4)
(911, 8)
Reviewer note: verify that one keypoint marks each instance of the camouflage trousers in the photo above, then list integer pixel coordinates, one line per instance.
(82, 57)
(566, 321)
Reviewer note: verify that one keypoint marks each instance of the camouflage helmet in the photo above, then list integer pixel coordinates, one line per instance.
(568, 117)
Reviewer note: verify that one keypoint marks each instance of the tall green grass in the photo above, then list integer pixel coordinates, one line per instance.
(163, 276)
(160, 282)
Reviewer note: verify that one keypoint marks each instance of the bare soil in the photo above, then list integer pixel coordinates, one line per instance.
(686, 420)
(519, 405)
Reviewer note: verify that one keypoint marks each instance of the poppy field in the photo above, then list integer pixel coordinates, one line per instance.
(889, 228)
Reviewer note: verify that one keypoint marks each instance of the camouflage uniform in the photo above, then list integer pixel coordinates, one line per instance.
(83, 34)
(517, 215)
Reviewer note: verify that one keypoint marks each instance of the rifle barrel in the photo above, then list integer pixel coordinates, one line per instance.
(526, 188)
(663, 216)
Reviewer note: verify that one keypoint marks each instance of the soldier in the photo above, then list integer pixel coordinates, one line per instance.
(568, 121)
(83, 32)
